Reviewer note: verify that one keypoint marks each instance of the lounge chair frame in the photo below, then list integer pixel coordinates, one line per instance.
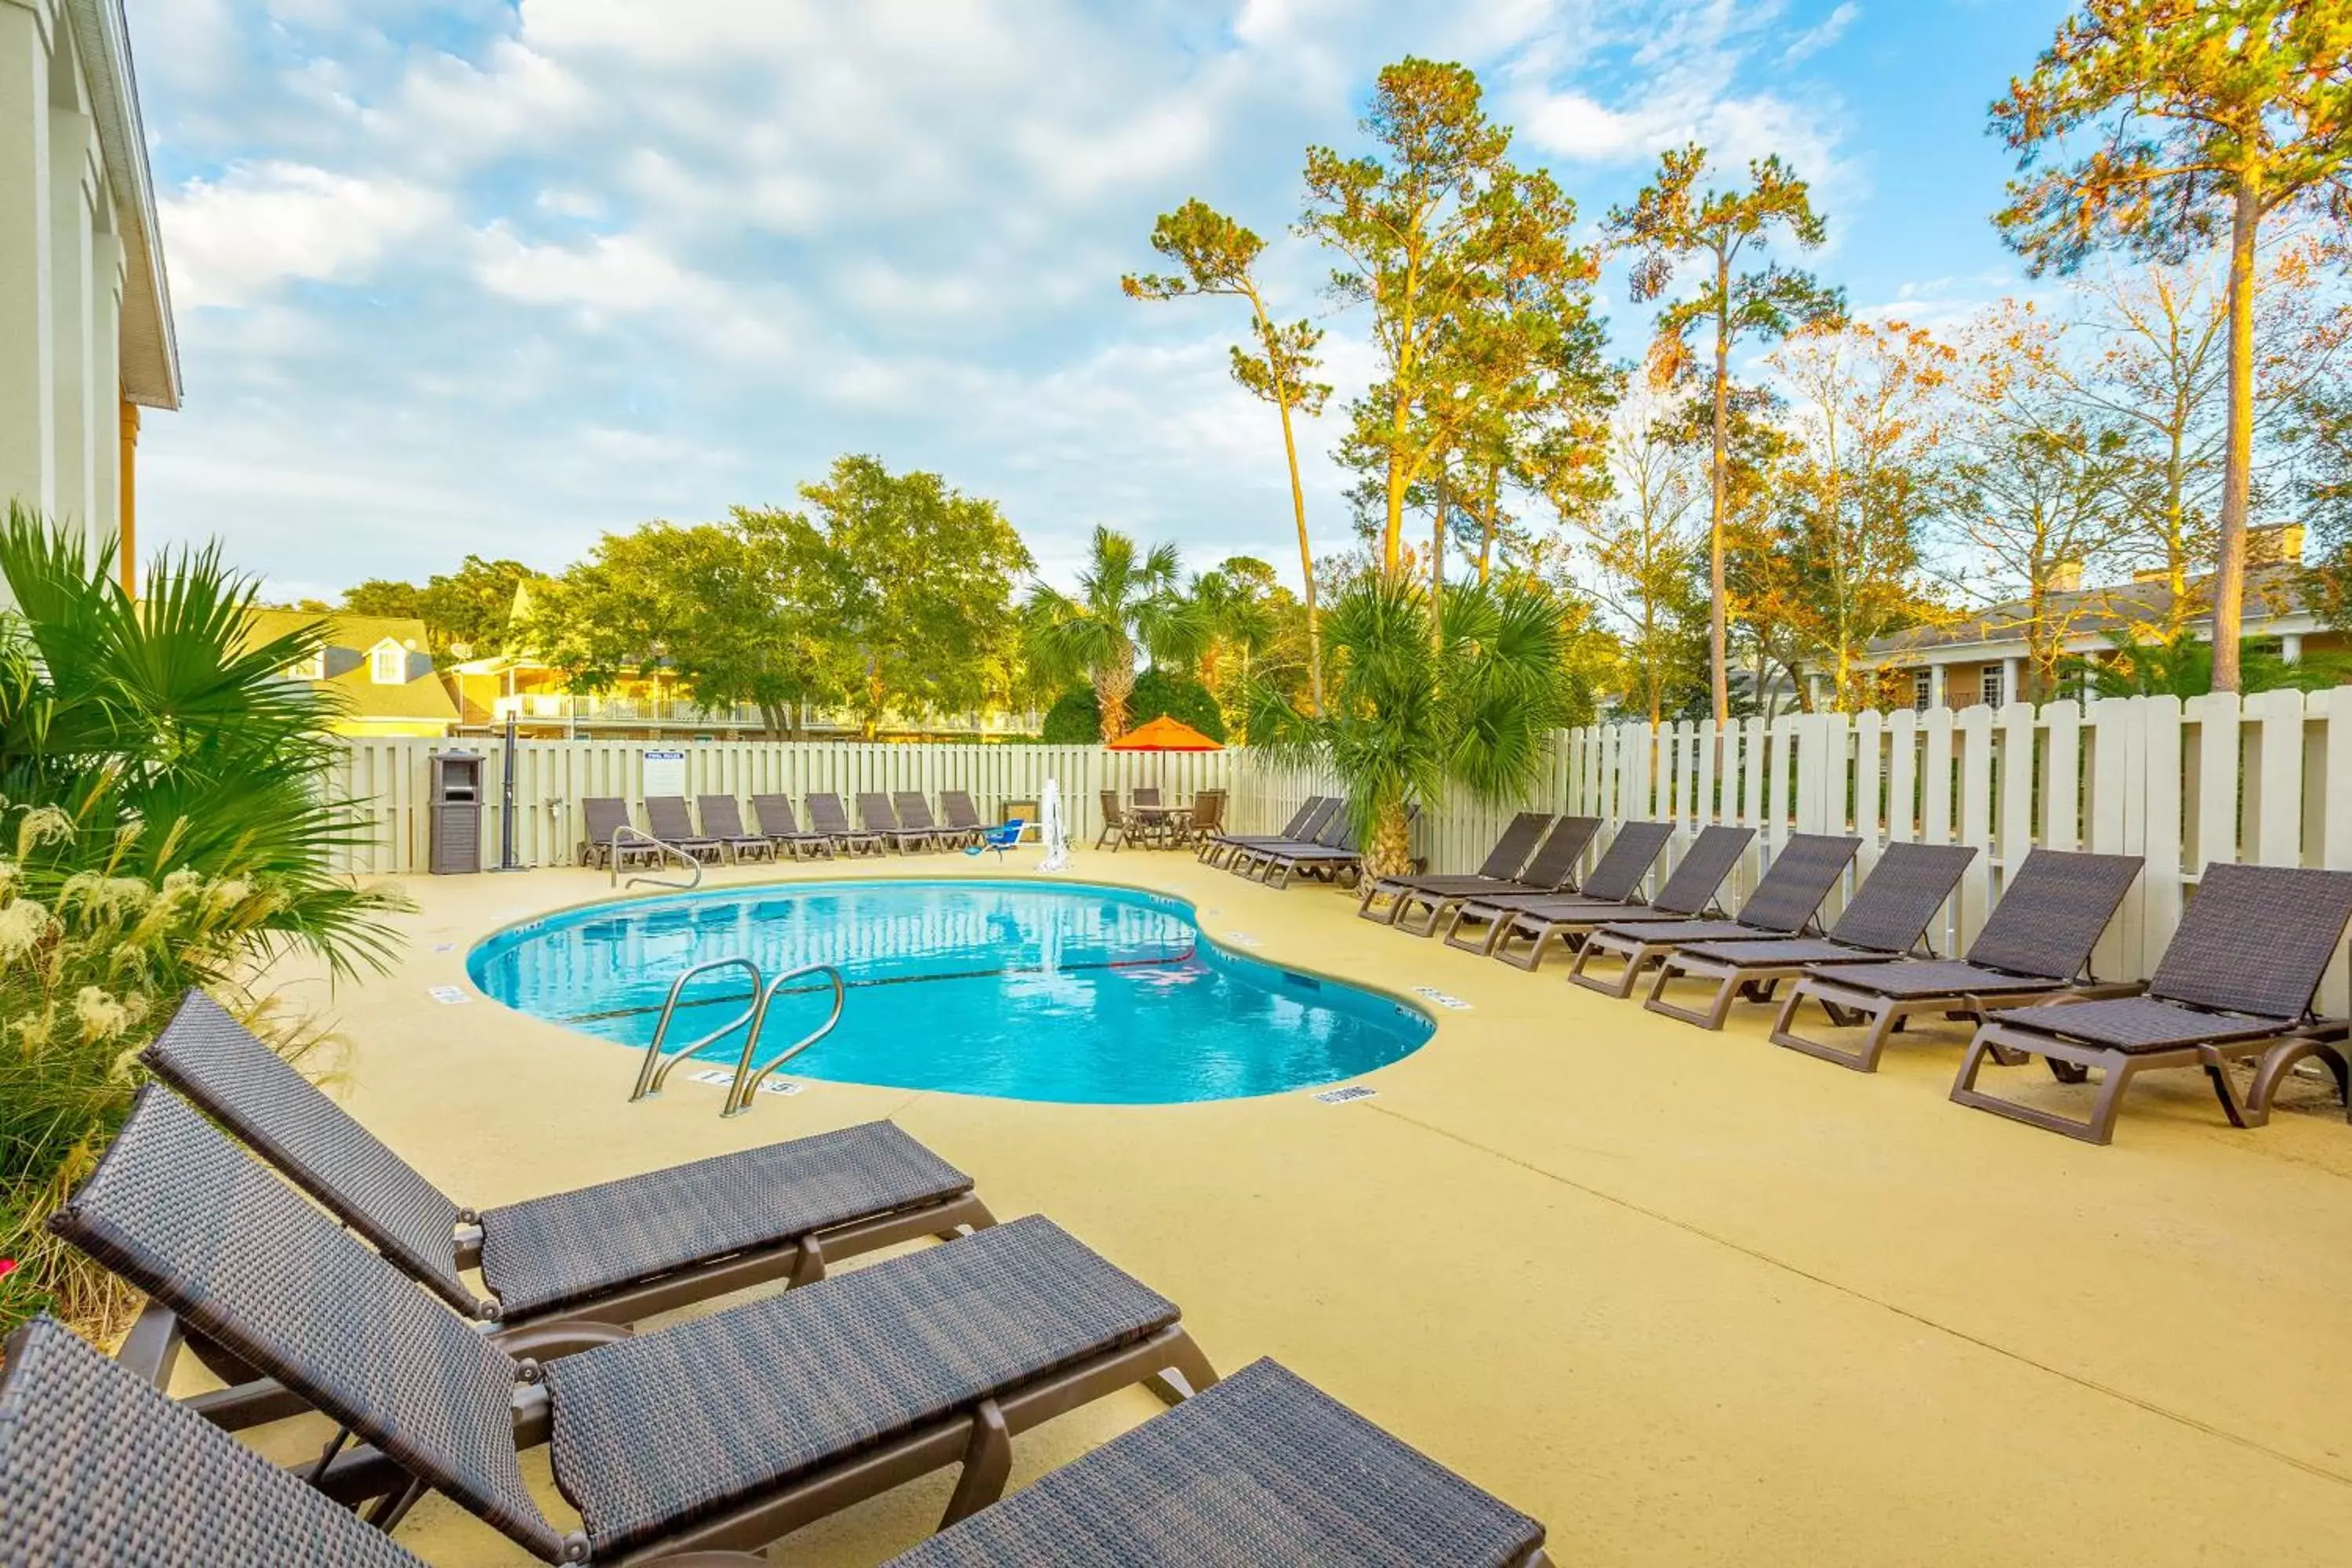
(1689, 892)
(1616, 880)
(601, 816)
(667, 819)
(721, 817)
(829, 816)
(1784, 903)
(2056, 908)
(873, 804)
(1220, 849)
(1441, 897)
(805, 846)
(1513, 845)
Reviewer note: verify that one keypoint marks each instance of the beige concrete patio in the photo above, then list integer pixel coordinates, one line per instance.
(1686, 1298)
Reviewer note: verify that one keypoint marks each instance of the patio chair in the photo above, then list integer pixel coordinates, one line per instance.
(875, 816)
(601, 816)
(2236, 981)
(1782, 904)
(2035, 947)
(1253, 860)
(1339, 862)
(1688, 894)
(1000, 838)
(616, 1252)
(724, 1432)
(1208, 816)
(962, 815)
(1220, 849)
(827, 817)
(914, 816)
(723, 818)
(1887, 918)
(665, 818)
(1115, 827)
(1551, 870)
(782, 829)
(1616, 880)
(1263, 1468)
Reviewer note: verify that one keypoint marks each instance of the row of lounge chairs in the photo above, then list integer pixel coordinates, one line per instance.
(1318, 843)
(2238, 980)
(691, 1444)
(901, 821)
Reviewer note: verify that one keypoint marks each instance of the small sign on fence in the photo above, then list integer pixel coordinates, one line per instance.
(665, 774)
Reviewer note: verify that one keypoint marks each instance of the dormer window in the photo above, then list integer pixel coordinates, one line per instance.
(311, 669)
(388, 664)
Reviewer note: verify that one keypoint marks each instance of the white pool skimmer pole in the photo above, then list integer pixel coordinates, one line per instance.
(1051, 829)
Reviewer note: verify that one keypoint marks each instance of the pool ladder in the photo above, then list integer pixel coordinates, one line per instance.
(656, 1068)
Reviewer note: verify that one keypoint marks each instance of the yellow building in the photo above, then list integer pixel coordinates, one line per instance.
(377, 667)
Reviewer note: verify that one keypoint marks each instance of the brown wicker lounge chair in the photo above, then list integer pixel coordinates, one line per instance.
(1222, 848)
(1479, 923)
(2236, 979)
(617, 1252)
(877, 817)
(1553, 871)
(782, 829)
(962, 817)
(827, 817)
(1888, 916)
(1782, 904)
(724, 1432)
(914, 816)
(1337, 835)
(603, 816)
(1262, 1469)
(2035, 947)
(1512, 846)
(665, 818)
(1339, 861)
(1688, 894)
(723, 818)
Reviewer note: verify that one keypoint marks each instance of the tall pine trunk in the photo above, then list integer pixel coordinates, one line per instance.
(1306, 565)
(2237, 474)
(1718, 633)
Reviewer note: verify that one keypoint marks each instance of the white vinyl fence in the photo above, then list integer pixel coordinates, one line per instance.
(2268, 779)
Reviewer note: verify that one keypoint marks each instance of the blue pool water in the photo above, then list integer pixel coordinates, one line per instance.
(1023, 990)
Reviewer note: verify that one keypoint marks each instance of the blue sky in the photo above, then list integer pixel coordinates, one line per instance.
(495, 276)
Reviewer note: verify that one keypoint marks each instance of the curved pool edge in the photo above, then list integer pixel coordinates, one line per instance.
(1268, 953)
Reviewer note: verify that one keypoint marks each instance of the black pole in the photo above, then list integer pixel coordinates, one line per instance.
(507, 803)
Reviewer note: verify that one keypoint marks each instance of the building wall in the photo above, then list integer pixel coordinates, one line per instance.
(63, 272)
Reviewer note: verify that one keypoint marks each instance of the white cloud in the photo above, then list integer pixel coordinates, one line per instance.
(235, 239)
(1816, 39)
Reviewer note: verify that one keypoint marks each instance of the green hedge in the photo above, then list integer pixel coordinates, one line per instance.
(1074, 720)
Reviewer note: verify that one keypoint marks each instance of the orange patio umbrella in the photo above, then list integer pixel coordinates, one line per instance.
(1164, 734)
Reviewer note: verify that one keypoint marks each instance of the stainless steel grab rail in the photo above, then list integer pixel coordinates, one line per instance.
(639, 835)
(747, 1082)
(654, 1068)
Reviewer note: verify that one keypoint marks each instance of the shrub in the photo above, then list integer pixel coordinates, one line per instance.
(1074, 720)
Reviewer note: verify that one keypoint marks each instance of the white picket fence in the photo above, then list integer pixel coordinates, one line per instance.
(2268, 779)
(390, 780)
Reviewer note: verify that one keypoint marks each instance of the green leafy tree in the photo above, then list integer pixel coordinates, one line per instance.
(385, 596)
(2182, 665)
(1127, 599)
(1408, 714)
(1468, 265)
(737, 610)
(1648, 556)
(2175, 122)
(1076, 720)
(921, 585)
(465, 612)
(1219, 257)
(1673, 221)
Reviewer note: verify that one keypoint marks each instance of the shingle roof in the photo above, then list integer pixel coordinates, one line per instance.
(421, 696)
(2271, 590)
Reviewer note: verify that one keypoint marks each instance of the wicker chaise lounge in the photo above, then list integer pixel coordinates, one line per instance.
(878, 818)
(1262, 1469)
(1782, 904)
(1255, 860)
(1552, 871)
(725, 1433)
(2035, 947)
(602, 818)
(827, 816)
(1688, 894)
(723, 818)
(914, 816)
(616, 1252)
(963, 818)
(1616, 878)
(1220, 849)
(665, 817)
(782, 829)
(1515, 843)
(2236, 979)
(1887, 918)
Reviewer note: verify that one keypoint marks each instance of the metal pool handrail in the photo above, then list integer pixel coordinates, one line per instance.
(747, 1082)
(637, 835)
(654, 1068)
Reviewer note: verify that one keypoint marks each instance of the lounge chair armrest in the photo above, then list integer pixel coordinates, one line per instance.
(569, 1336)
(152, 1346)
(469, 1246)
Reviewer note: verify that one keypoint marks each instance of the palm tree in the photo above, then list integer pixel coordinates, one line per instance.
(1236, 623)
(1126, 599)
(2182, 665)
(1405, 715)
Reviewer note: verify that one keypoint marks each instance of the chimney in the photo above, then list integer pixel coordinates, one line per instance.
(2280, 544)
(2065, 576)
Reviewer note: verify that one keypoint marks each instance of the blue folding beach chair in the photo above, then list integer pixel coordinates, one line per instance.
(998, 838)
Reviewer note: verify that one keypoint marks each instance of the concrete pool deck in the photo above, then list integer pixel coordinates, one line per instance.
(1686, 1298)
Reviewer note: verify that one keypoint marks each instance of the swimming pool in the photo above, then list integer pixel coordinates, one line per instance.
(1023, 990)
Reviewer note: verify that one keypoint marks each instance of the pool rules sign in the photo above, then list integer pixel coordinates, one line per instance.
(664, 774)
